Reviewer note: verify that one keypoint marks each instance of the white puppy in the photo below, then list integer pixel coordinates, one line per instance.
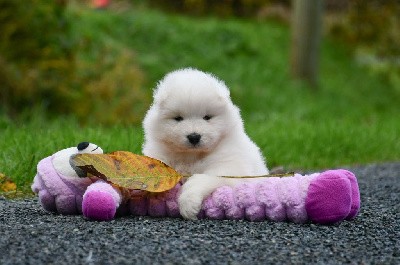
(194, 127)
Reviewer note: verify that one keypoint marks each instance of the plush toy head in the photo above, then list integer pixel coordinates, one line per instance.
(58, 185)
(61, 158)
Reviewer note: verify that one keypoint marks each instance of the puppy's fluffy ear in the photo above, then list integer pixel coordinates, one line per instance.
(223, 90)
(159, 94)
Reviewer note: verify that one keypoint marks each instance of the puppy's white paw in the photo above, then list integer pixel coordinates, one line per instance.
(189, 205)
(192, 194)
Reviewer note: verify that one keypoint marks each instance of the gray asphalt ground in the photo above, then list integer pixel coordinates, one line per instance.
(29, 235)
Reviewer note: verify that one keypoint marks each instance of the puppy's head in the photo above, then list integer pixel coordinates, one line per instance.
(191, 112)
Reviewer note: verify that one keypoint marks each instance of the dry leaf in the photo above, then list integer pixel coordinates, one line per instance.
(128, 170)
(6, 185)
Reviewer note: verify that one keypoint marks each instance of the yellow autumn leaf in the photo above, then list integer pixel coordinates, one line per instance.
(6, 184)
(128, 170)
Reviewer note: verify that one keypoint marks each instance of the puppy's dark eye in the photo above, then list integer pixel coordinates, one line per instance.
(207, 117)
(178, 118)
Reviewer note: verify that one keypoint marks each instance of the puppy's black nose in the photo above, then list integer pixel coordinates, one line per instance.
(82, 146)
(194, 138)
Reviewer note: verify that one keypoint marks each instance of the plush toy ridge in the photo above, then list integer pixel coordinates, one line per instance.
(328, 197)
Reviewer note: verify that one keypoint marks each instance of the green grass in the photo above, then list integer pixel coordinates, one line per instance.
(351, 119)
(25, 144)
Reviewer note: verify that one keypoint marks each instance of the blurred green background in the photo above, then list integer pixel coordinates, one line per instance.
(84, 70)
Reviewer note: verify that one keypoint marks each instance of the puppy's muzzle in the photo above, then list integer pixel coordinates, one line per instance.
(194, 138)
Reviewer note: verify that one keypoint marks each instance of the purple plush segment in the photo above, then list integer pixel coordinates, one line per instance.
(141, 203)
(47, 200)
(329, 198)
(212, 211)
(276, 199)
(66, 204)
(78, 203)
(100, 201)
(355, 194)
(103, 186)
(98, 205)
(171, 201)
(222, 202)
(246, 198)
(138, 203)
(268, 194)
(157, 207)
(55, 193)
(322, 198)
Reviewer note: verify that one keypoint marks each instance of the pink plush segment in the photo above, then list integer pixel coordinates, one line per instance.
(105, 187)
(55, 193)
(171, 203)
(66, 204)
(355, 194)
(138, 203)
(47, 200)
(329, 198)
(223, 199)
(296, 193)
(268, 194)
(101, 201)
(50, 179)
(276, 199)
(322, 198)
(211, 211)
(157, 205)
(98, 205)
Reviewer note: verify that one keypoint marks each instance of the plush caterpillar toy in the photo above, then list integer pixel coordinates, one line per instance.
(65, 188)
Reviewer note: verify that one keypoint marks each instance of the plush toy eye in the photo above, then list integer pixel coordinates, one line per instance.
(178, 118)
(207, 117)
(82, 146)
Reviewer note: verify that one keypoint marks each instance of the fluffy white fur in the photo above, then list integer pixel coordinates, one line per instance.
(189, 101)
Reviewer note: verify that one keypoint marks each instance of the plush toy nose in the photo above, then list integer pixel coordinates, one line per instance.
(82, 146)
(194, 138)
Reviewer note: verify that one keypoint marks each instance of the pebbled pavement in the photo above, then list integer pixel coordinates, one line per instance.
(29, 235)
